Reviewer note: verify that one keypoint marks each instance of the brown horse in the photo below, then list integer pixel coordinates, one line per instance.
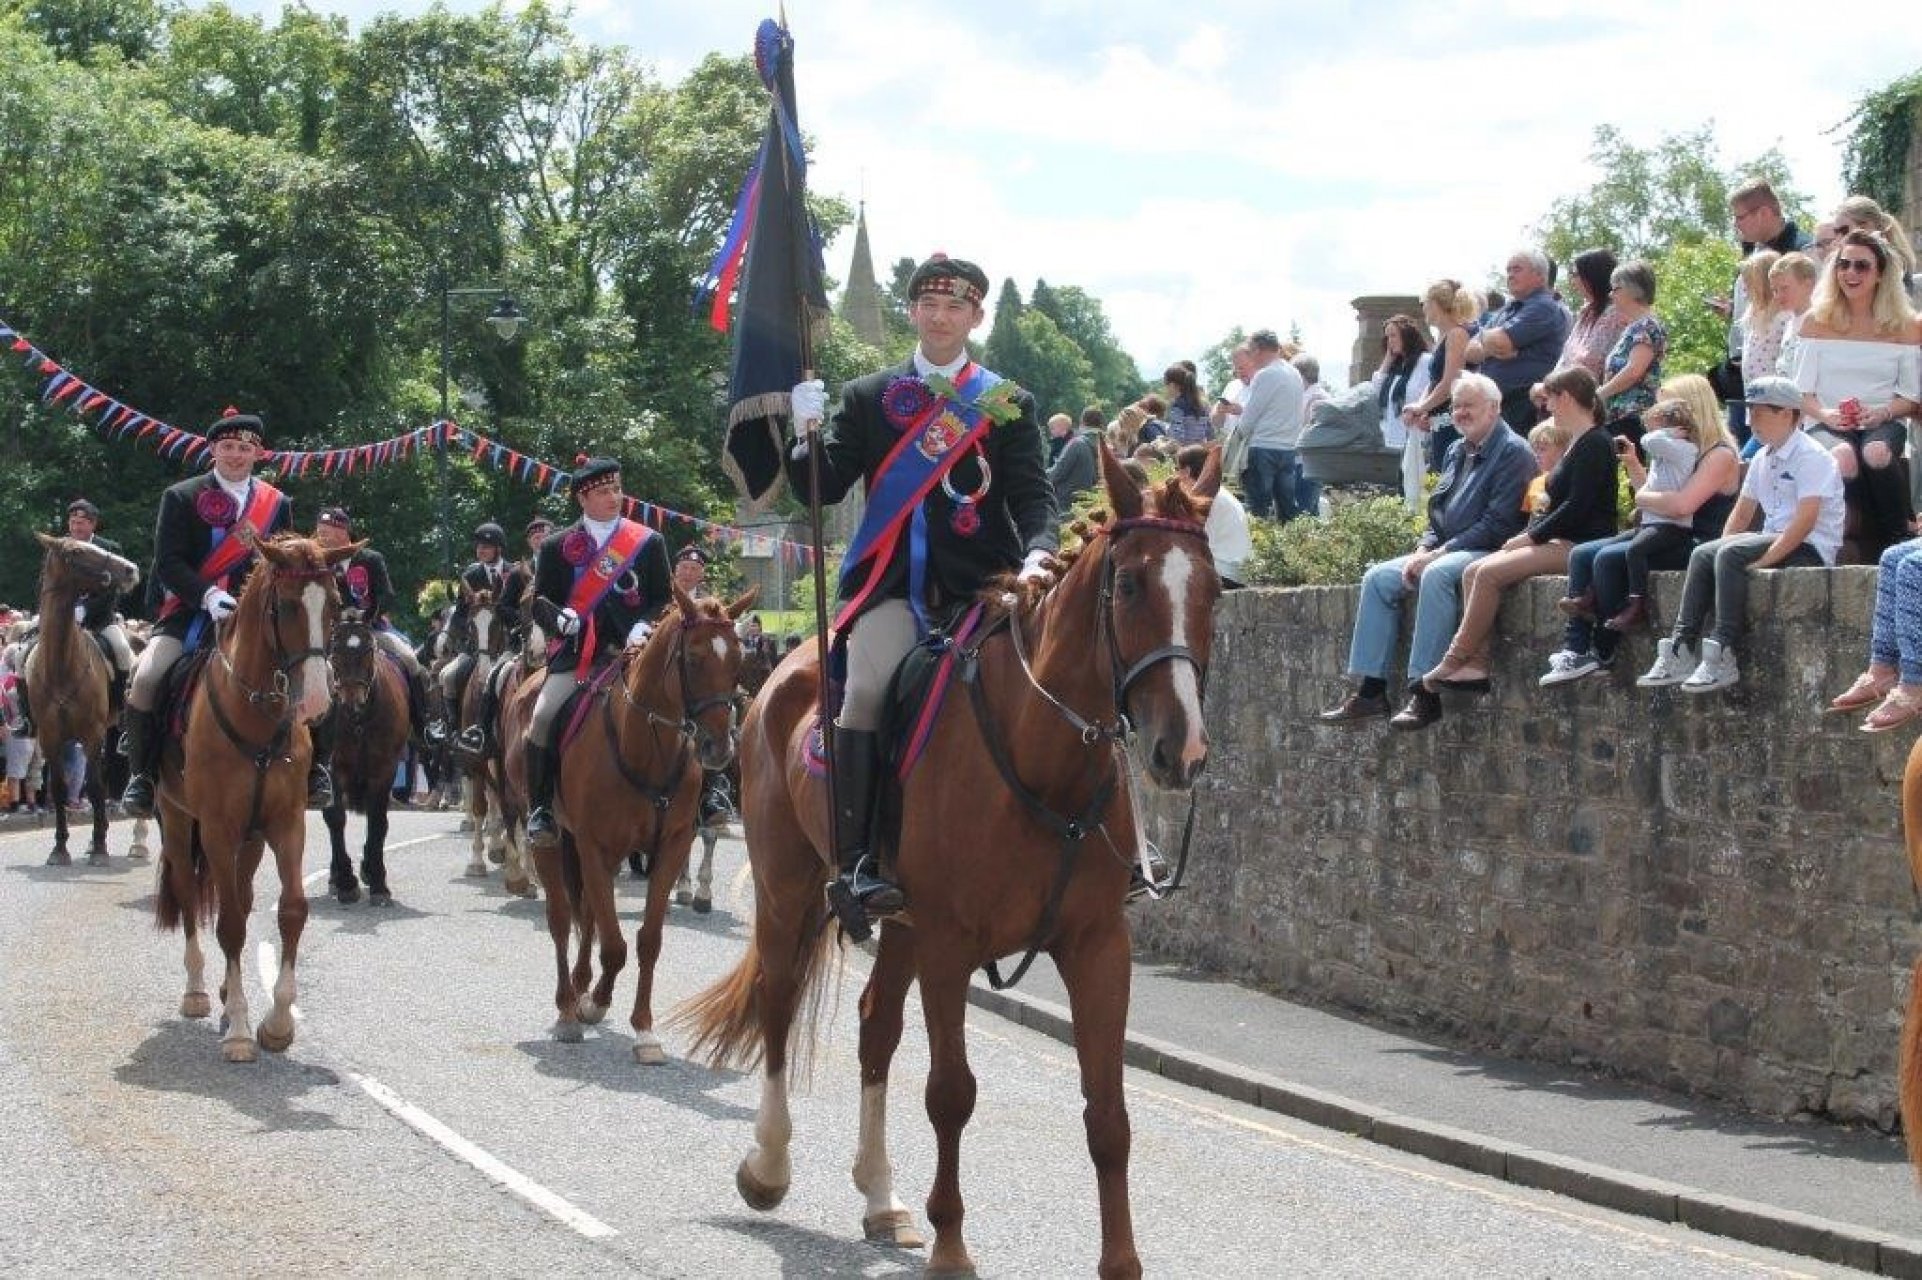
(370, 737)
(1910, 1084)
(1016, 832)
(488, 638)
(631, 780)
(68, 679)
(239, 775)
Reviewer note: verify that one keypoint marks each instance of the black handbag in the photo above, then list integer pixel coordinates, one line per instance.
(1726, 379)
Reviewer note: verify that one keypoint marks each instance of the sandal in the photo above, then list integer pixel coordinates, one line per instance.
(1896, 710)
(1868, 689)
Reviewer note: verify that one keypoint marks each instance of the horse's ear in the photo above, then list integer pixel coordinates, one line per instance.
(1123, 493)
(743, 603)
(339, 554)
(46, 540)
(1209, 484)
(682, 600)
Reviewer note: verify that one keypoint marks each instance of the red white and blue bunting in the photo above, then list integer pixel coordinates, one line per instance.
(113, 420)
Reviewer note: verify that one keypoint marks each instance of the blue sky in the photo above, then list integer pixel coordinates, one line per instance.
(1225, 162)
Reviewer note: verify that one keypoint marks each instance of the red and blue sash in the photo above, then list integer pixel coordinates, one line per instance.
(596, 578)
(944, 433)
(228, 552)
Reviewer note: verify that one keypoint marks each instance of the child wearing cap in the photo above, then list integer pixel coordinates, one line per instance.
(1798, 490)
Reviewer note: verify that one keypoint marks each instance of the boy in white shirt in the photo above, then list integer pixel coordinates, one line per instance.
(1794, 482)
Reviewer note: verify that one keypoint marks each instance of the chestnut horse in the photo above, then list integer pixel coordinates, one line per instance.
(239, 775)
(1016, 833)
(370, 737)
(1910, 1079)
(68, 681)
(631, 779)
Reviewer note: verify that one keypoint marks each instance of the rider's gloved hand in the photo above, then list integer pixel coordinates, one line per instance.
(1038, 567)
(217, 602)
(809, 402)
(567, 622)
(639, 632)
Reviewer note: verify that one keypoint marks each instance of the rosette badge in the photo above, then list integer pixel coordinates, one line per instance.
(214, 507)
(906, 401)
(577, 548)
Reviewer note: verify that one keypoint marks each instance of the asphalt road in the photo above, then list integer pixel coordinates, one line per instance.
(424, 1124)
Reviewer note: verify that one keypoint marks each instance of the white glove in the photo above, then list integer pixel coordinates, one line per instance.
(80, 614)
(1034, 568)
(218, 603)
(567, 622)
(809, 401)
(639, 632)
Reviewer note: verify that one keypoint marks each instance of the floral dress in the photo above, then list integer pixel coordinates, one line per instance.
(1640, 396)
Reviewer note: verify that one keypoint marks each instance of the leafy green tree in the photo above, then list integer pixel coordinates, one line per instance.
(1697, 336)
(1217, 370)
(1052, 367)
(1004, 350)
(1649, 198)
(1080, 317)
(83, 30)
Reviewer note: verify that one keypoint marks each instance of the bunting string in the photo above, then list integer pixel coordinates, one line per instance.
(113, 420)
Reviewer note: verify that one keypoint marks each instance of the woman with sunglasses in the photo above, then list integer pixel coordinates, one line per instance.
(1857, 367)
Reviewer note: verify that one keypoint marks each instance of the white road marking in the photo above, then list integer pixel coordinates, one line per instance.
(460, 1148)
(322, 874)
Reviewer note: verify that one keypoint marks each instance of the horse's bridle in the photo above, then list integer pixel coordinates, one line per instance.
(692, 709)
(686, 731)
(1122, 674)
(345, 627)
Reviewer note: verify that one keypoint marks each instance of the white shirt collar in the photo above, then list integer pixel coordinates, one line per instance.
(238, 492)
(925, 366)
(601, 529)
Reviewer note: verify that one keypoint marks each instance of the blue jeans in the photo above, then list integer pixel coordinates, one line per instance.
(1307, 493)
(1270, 482)
(1438, 607)
(1895, 639)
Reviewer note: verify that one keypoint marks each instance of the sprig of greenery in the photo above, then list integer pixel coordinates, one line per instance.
(998, 403)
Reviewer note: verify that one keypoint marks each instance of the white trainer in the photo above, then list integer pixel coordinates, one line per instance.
(1673, 664)
(1716, 670)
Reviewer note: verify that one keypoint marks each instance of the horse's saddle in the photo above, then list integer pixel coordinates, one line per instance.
(916, 693)
(573, 715)
(177, 690)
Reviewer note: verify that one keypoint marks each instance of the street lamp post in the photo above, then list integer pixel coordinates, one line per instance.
(505, 320)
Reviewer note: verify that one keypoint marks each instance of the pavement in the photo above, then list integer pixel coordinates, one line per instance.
(1843, 1195)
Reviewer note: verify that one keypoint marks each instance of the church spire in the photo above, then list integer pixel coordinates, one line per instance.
(861, 300)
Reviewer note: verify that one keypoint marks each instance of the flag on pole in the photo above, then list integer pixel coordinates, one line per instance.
(780, 302)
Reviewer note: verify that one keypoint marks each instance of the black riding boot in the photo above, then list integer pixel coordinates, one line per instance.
(542, 833)
(476, 739)
(320, 776)
(860, 892)
(417, 724)
(139, 737)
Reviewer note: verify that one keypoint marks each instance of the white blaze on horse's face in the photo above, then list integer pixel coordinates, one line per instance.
(1178, 577)
(316, 681)
(720, 648)
(483, 621)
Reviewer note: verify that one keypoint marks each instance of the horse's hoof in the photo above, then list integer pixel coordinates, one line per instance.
(965, 1271)
(497, 856)
(139, 853)
(894, 1228)
(648, 1053)
(757, 1194)
(239, 1050)
(568, 1032)
(60, 858)
(96, 857)
(587, 1011)
(347, 893)
(379, 898)
(195, 1005)
(519, 888)
(275, 1041)
(476, 871)
(702, 905)
(682, 897)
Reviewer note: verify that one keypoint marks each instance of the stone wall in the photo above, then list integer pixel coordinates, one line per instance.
(1707, 893)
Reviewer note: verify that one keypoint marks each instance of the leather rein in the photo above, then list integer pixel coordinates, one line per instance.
(1118, 736)
(661, 796)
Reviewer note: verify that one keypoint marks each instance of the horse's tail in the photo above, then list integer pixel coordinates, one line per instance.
(169, 910)
(724, 1022)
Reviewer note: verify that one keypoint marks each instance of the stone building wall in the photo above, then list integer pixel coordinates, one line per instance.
(1707, 893)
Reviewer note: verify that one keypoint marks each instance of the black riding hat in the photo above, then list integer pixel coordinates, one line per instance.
(491, 534)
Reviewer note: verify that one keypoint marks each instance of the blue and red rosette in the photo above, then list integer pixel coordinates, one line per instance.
(906, 401)
(216, 508)
(577, 548)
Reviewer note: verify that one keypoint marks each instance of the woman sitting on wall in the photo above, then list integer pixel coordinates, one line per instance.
(1581, 495)
(1857, 366)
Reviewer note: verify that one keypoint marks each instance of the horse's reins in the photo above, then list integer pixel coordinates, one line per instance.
(661, 798)
(1072, 831)
(263, 757)
(362, 718)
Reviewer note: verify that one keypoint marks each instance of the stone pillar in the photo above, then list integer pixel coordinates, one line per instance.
(1371, 313)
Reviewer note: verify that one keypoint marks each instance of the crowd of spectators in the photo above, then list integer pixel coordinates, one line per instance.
(1530, 409)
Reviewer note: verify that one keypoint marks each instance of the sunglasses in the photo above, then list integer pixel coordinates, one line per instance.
(1856, 264)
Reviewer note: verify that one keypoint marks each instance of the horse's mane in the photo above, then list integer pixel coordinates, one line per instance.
(305, 550)
(1170, 500)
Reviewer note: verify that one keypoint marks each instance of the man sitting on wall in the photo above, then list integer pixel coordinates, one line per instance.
(1475, 508)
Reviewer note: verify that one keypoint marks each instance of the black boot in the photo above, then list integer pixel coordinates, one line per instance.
(417, 724)
(320, 777)
(139, 736)
(860, 893)
(476, 740)
(542, 833)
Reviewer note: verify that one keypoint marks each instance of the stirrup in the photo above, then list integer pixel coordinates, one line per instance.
(320, 787)
(137, 801)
